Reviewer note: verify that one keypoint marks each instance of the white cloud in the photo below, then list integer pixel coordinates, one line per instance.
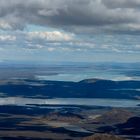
(5, 25)
(50, 49)
(7, 38)
(116, 50)
(50, 36)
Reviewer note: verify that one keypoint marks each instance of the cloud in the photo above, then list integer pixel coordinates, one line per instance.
(51, 49)
(121, 16)
(4, 25)
(50, 36)
(7, 38)
(88, 26)
(58, 41)
(122, 4)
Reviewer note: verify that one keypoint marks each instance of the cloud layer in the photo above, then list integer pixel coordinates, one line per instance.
(70, 29)
(121, 16)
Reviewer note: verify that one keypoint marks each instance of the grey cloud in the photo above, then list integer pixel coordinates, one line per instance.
(133, 4)
(121, 16)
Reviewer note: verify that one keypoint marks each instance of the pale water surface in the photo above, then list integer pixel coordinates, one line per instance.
(70, 101)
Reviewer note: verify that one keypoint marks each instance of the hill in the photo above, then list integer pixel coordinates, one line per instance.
(89, 88)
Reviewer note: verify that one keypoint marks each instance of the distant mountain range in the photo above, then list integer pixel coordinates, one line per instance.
(89, 88)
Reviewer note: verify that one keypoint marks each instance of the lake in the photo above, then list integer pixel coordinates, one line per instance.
(70, 101)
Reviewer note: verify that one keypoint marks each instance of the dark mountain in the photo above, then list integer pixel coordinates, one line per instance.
(90, 88)
(131, 127)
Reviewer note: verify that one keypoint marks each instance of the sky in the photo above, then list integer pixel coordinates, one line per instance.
(70, 30)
